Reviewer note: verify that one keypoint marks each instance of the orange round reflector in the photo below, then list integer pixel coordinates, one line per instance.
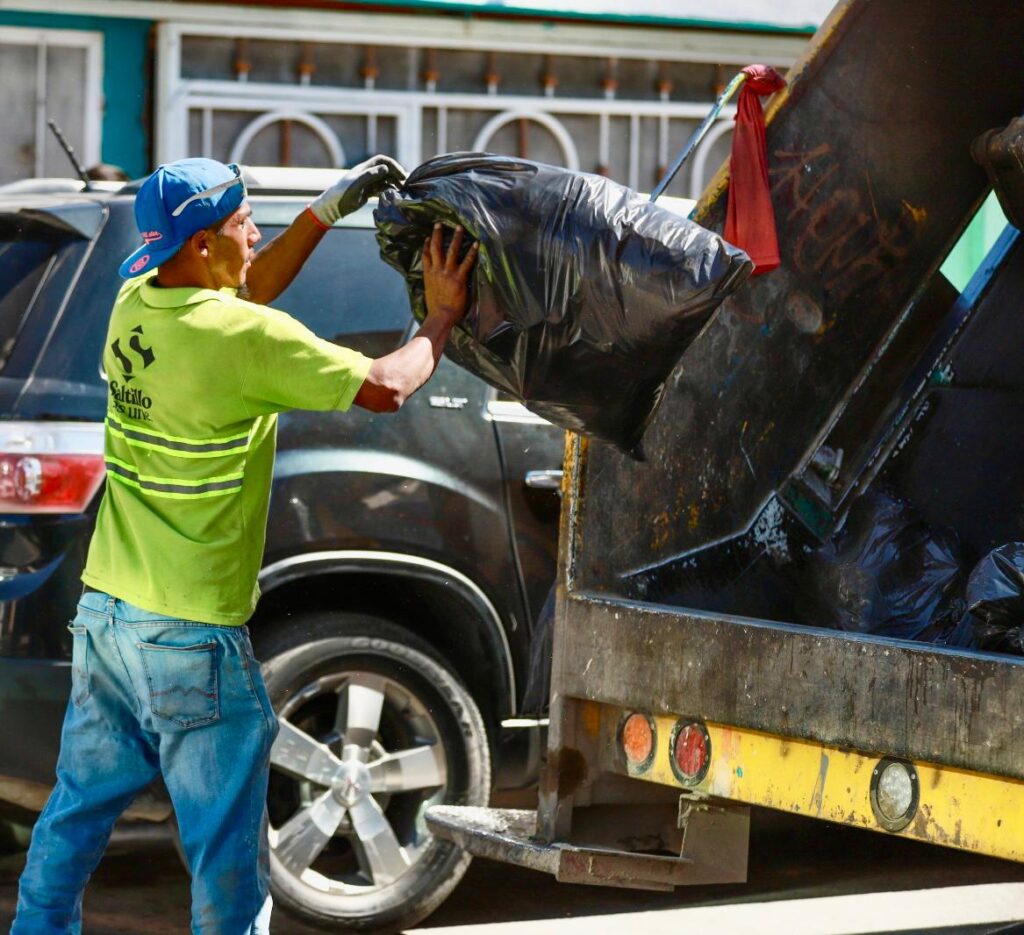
(637, 739)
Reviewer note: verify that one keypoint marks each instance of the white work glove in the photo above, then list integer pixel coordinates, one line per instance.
(355, 186)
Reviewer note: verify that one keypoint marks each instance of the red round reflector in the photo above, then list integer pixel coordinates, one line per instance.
(638, 740)
(691, 752)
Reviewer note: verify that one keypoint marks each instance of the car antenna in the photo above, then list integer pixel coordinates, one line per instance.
(69, 150)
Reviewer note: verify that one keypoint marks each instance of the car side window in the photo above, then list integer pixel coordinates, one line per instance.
(346, 294)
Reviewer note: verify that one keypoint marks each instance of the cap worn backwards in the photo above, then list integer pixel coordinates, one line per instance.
(177, 200)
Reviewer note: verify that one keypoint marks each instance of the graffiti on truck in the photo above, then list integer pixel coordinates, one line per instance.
(840, 238)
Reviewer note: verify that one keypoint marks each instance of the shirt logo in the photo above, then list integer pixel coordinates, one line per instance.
(144, 354)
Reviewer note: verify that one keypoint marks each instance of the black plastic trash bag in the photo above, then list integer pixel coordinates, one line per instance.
(584, 294)
(995, 603)
(888, 573)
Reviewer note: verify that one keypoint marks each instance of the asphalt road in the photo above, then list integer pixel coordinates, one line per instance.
(811, 870)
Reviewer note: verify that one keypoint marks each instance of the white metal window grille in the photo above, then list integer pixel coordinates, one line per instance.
(301, 98)
(49, 74)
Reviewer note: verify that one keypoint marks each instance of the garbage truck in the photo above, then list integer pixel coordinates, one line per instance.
(724, 637)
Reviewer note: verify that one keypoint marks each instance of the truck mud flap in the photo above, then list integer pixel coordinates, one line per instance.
(509, 835)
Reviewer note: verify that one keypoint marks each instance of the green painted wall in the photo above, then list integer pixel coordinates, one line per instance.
(975, 243)
(126, 70)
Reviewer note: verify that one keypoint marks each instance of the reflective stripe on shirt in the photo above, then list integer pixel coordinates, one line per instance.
(174, 487)
(175, 445)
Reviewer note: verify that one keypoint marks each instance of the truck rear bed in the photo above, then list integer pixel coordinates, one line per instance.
(681, 575)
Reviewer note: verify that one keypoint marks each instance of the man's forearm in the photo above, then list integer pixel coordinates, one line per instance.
(396, 376)
(431, 338)
(276, 265)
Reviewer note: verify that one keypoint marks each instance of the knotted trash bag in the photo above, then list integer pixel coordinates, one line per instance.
(995, 603)
(887, 572)
(584, 294)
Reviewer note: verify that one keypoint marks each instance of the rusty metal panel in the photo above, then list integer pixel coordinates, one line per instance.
(717, 839)
(631, 871)
(872, 181)
(510, 835)
(1001, 153)
(495, 833)
(882, 696)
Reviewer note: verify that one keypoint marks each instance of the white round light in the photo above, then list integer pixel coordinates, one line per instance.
(895, 791)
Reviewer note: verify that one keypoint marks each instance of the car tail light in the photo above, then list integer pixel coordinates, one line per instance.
(50, 467)
(637, 738)
(690, 753)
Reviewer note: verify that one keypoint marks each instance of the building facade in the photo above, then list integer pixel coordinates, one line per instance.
(609, 86)
(140, 82)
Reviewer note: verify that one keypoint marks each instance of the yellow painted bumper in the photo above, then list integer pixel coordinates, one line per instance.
(970, 811)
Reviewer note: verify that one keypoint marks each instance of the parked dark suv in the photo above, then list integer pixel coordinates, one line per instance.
(407, 559)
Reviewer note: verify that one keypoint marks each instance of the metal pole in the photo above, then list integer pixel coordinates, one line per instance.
(730, 90)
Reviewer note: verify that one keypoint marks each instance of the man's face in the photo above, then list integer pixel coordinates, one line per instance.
(231, 248)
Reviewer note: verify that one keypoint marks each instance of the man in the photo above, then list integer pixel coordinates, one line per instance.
(164, 682)
(106, 172)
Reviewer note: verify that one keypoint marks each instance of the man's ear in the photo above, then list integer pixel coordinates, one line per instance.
(200, 243)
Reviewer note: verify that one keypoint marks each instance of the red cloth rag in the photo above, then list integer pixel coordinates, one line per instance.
(750, 219)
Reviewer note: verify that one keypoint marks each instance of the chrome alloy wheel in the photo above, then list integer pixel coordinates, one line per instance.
(356, 764)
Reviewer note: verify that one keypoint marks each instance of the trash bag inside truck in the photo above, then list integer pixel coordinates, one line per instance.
(995, 603)
(584, 295)
(886, 572)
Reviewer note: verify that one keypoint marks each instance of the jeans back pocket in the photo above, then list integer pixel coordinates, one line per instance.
(79, 664)
(182, 682)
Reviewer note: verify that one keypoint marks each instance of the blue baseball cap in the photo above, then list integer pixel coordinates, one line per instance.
(177, 200)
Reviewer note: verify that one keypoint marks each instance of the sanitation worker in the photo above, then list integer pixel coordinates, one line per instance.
(164, 682)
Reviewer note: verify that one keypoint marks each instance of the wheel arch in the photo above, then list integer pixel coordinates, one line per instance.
(402, 586)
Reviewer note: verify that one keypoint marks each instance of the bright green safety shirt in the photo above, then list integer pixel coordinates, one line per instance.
(196, 378)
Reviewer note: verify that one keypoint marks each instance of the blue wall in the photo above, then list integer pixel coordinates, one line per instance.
(126, 70)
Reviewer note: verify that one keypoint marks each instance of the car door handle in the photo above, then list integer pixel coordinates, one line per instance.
(544, 480)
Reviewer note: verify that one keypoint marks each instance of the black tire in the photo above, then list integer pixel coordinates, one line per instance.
(304, 660)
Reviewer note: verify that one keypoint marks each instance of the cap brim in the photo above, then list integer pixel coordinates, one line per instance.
(145, 258)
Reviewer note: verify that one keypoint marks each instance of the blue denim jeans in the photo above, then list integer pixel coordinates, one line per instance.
(152, 695)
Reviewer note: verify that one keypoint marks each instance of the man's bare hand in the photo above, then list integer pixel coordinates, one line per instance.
(445, 279)
(394, 377)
